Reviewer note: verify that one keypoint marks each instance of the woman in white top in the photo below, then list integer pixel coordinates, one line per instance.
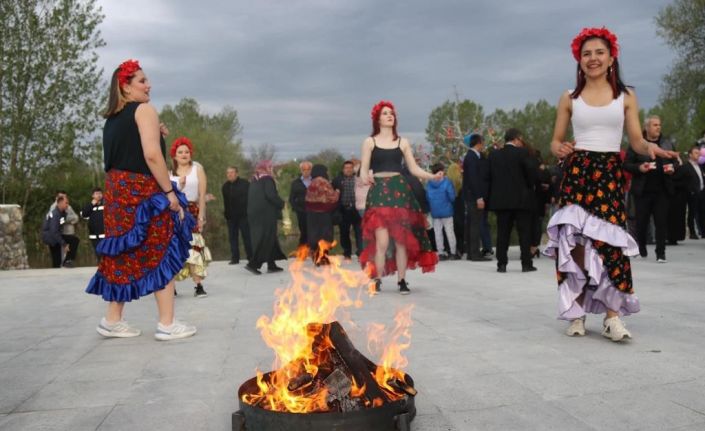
(587, 235)
(191, 180)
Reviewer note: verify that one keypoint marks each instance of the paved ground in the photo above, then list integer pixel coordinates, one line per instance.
(487, 352)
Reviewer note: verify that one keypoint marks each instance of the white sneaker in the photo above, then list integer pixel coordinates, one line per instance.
(615, 330)
(175, 331)
(119, 329)
(577, 327)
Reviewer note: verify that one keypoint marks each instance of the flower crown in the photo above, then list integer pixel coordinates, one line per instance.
(182, 140)
(603, 33)
(378, 108)
(127, 70)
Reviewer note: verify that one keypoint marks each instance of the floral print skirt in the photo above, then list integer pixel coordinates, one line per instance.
(391, 205)
(592, 214)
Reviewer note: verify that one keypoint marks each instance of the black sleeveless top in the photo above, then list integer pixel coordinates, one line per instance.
(386, 160)
(122, 146)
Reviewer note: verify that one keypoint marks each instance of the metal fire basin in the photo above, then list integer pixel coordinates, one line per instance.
(392, 416)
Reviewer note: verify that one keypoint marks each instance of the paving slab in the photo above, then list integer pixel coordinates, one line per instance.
(487, 352)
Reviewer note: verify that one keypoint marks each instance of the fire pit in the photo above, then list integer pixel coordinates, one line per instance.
(321, 381)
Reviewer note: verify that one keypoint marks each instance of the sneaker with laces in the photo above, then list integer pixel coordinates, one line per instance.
(199, 291)
(614, 329)
(577, 327)
(403, 287)
(119, 329)
(174, 331)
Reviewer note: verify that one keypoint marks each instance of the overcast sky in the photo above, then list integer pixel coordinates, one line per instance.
(303, 75)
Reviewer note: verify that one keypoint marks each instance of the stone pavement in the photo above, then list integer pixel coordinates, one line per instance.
(487, 352)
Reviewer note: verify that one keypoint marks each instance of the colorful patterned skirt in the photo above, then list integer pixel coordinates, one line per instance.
(145, 243)
(592, 214)
(199, 256)
(391, 205)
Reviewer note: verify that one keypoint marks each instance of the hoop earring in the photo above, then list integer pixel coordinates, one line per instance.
(609, 70)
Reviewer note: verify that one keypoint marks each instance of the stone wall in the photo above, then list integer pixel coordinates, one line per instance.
(13, 253)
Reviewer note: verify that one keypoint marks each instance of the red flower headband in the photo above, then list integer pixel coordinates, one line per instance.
(179, 142)
(378, 108)
(127, 70)
(595, 32)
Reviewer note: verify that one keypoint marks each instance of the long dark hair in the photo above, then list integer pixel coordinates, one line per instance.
(116, 99)
(613, 76)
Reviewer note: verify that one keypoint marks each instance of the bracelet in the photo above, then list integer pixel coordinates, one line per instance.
(171, 190)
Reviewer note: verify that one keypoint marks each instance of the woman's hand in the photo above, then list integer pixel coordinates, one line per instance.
(656, 151)
(563, 149)
(173, 202)
(438, 176)
(201, 223)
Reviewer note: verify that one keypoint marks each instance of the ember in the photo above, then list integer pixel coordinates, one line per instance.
(317, 369)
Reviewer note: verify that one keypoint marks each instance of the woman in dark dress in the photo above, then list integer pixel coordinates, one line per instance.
(264, 208)
(147, 231)
(321, 202)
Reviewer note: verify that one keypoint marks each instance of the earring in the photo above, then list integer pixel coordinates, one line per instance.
(609, 70)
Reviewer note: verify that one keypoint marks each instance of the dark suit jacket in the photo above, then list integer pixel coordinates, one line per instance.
(692, 174)
(297, 195)
(639, 179)
(512, 176)
(475, 185)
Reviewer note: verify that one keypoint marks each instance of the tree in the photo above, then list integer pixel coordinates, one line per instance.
(448, 124)
(330, 158)
(50, 91)
(682, 25)
(217, 145)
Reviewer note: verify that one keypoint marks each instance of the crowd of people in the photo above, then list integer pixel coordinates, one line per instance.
(605, 204)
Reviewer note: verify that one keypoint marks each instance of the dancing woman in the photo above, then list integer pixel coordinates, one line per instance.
(393, 227)
(587, 235)
(147, 232)
(191, 180)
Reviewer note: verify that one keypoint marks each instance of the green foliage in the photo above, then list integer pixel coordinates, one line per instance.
(217, 145)
(331, 158)
(682, 104)
(535, 121)
(447, 124)
(50, 97)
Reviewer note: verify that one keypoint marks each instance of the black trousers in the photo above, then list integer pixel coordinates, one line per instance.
(473, 220)
(652, 204)
(696, 213)
(72, 241)
(677, 205)
(235, 228)
(55, 251)
(505, 223)
(459, 220)
(350, 219)
(303, 227)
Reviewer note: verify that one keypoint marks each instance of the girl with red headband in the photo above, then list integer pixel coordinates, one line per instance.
(393, 226)
(191, 180)
(147, 232)
(588, 235)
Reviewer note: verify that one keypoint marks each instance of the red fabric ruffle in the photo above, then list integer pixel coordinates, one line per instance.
(400, 223)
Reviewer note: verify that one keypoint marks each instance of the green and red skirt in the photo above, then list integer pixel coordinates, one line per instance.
(391, 205)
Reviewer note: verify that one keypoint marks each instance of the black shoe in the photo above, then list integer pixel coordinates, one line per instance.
(529, 268)
(643, 252)
(233, 262)
(480, 259)
(378, 285)
(672, 242)
(442, 257)
(455, 256)
(694, 237)
(199, 292)
(487, 252)
(271, 269)
(501, 268)
(68, 264)
(175, 292)
(536, 254)
(403, 287)
(255, 271)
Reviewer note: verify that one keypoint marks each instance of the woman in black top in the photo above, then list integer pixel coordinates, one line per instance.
(147, 232)
(393, 227)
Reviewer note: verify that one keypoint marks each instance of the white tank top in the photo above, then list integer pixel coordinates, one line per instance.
(191, 187)
(598, 128)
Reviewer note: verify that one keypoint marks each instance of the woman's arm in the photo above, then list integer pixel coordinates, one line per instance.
(365, 156)
(202, 189)
(559, 147)
(411, 163)
(148, 124)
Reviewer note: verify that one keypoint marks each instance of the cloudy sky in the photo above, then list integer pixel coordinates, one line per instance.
(303, 75)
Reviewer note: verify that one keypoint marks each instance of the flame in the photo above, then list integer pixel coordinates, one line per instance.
(320, 295)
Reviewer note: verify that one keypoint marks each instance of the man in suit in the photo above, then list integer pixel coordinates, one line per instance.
(475, 191)
(652, 184)
(235, 191)
(511, 179)
(696, 193)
